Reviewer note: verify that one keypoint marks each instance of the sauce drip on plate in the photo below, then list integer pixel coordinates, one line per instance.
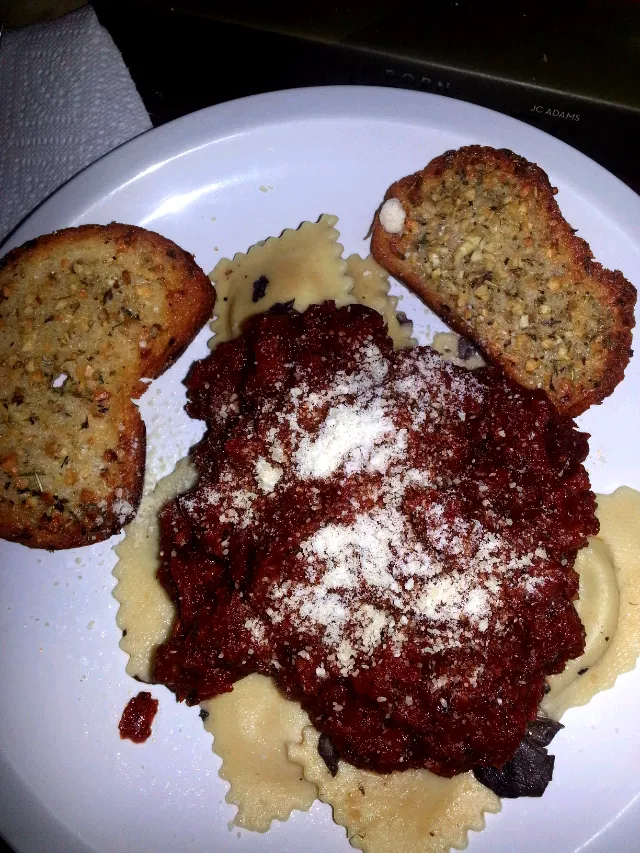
(137, 717)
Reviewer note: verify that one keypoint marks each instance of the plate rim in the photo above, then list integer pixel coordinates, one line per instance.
(244, 115)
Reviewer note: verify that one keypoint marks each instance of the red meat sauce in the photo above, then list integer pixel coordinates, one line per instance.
(137, 717)
(388, 536)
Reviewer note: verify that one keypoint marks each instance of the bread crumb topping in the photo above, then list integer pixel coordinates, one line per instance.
(486, 247)
(85, 314)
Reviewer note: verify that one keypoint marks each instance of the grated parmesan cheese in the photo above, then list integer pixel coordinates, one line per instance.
(392, 216)
(267, 475)
(373, 573)
(368, 578)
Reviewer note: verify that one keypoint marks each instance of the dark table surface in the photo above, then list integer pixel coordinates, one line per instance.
(570, 68)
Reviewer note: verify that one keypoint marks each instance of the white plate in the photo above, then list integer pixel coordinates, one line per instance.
(215, 182)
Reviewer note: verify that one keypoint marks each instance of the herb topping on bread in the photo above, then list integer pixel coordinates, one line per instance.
(484, 244)
(85, 314)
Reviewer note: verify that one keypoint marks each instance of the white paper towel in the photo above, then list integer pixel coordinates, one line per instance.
(66, 98)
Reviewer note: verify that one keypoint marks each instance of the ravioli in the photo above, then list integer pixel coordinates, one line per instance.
(255, 726)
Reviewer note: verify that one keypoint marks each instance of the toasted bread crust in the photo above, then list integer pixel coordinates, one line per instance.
(452, 191)
(85, 314)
